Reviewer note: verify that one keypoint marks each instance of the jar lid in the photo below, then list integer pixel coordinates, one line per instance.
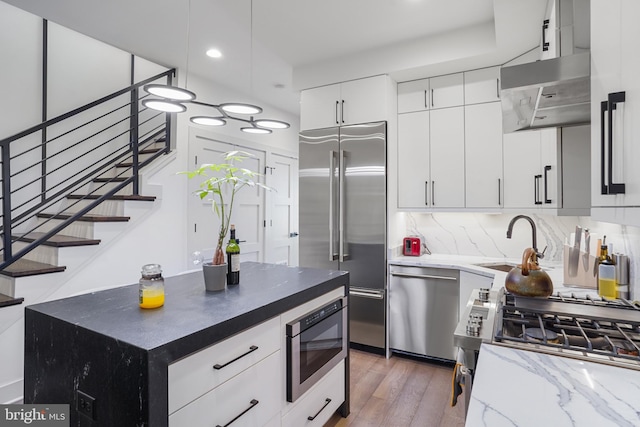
(151, 269)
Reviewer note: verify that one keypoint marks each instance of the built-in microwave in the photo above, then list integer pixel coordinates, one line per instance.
(316, 342)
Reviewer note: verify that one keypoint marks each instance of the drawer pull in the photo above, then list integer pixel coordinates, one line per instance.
(251, 350)
(253, 402)
(326, 402)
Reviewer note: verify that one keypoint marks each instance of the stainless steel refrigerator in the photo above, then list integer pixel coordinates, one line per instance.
(343, 217)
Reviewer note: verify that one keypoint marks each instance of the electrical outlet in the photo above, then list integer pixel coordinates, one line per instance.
(85, 404)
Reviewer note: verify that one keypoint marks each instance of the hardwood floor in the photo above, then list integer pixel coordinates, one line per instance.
(399, 392)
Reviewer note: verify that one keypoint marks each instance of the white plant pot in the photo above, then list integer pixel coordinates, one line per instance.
(215, 276)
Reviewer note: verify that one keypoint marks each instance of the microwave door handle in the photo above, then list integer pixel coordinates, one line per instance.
(332, 167)
(344, 245)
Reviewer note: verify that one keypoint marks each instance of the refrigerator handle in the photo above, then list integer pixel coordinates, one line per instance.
(332, 167)
(344, 245)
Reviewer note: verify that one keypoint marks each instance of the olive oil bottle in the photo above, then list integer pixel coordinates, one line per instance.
(607, 286)
(233, 258)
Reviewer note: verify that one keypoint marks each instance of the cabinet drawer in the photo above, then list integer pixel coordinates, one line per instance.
(253, 397)
(195, 375)
(329, 391)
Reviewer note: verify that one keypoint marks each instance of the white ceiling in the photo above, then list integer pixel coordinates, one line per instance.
(273, 48)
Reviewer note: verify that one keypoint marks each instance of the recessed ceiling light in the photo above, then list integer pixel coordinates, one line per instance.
(214, 53)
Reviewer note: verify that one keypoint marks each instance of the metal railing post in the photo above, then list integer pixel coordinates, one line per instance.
(134, 141)
(6, 202)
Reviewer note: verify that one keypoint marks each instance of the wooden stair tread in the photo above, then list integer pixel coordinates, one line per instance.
(114, 197)
(58, 240)
(6, 300)
(87, 217)
(26, 267)
(150, 150)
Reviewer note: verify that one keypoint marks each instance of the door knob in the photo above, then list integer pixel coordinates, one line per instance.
(294, 234)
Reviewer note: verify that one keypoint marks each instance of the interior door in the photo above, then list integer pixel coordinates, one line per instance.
(248, 213)
(281, 233)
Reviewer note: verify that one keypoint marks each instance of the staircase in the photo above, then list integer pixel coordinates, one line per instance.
(97, 188)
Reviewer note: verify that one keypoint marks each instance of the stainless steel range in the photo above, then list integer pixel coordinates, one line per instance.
(582, 327)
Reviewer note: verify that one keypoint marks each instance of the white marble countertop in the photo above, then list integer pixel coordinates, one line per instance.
(524, 388)
(470, 263)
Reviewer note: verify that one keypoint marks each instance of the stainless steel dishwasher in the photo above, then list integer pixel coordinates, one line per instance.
(423, 315)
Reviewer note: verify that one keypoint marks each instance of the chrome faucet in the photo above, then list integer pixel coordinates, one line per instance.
(533, 233)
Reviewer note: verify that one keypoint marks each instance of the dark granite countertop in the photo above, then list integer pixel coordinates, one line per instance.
(190, 315)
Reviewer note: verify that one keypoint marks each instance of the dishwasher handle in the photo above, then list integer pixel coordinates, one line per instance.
(423, 276)
(366, 293)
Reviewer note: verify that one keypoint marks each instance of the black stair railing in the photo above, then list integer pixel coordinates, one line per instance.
(97, 149)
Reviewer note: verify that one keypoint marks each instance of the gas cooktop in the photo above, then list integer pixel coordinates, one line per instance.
(589, 328)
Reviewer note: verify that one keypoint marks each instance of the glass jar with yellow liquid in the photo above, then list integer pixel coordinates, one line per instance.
(607, 286)
(151, 286)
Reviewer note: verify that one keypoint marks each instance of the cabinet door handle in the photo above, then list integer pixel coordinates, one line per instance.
(252, 404)
(613, 100)
(545, 43)
(547, 168)
(333, 254)
(432, 98)
(536, 189)
(337, 103)
(433, 190)
(426, 101)
(498, 88)
(426, 193)
(604, 106)
(422, 276)
(251, 350)
(326, 402)
(499, 191)
(342, 112)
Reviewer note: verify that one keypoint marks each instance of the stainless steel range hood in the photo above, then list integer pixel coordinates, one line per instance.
(550, 93)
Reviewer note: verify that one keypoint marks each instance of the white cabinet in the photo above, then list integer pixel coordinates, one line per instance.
(251, 399)
(414, 96)
(320, 402)
(413, 160)
(482, 85)
(447, 158)
(352, 102)
(531, 175)
(205, 370)
(435, 92)
(483, 155)
(431, 159)
(615, 35)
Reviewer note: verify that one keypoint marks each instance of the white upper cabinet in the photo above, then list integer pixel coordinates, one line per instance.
(414, 96)
(431, 159)
(483, 155)
(347, 103)
(532, 178)
(482, 85)
(413, 160)
(615, 106)
(447, 91)
(435, 92)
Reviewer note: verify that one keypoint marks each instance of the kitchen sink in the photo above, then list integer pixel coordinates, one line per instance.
(498, 266)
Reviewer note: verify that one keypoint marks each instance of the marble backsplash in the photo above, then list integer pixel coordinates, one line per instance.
(486, 235)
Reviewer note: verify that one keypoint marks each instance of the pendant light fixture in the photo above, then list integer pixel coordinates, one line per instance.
(171, 99)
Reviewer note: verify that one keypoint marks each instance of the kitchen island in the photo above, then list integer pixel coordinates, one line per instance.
(522, 388)
(111, 360)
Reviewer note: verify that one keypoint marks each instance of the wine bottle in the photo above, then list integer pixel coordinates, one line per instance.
(233, 258)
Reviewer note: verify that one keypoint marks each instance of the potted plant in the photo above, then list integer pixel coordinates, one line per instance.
(222, 181)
